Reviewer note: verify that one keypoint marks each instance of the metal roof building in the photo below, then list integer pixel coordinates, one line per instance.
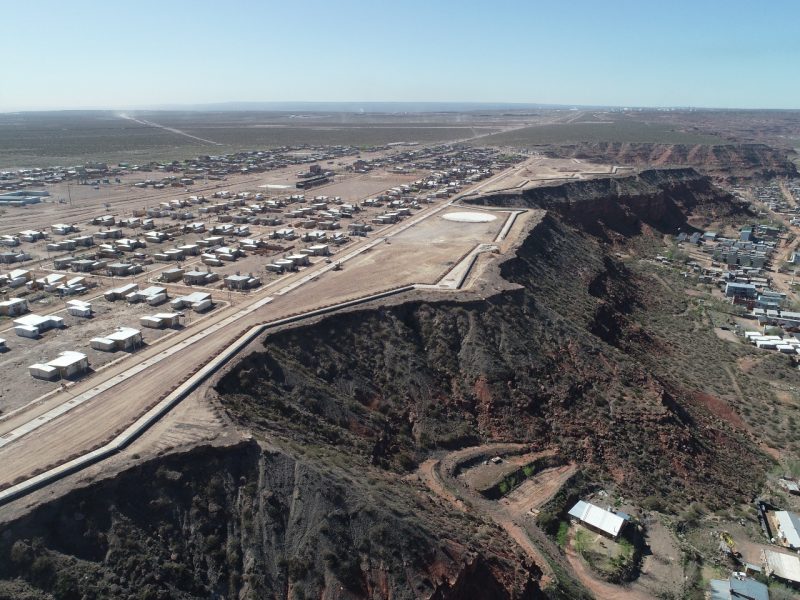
(738, 588)
(598, 518)
(783, 566)
(789, 526)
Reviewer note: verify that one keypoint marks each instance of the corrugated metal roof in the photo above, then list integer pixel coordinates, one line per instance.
(785, 566)
(720, 589)
(748, 588)
(789, 524)
(597, 517)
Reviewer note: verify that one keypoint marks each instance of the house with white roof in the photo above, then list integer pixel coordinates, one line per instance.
(782, 566)
(31, 326)
(13, 307)
(67, 364)
(598, 519)
(788, 528)
(123, 338)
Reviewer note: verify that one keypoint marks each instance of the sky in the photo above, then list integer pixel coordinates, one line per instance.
(110, 55)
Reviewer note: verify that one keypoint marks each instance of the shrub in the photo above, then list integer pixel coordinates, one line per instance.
(563, 534)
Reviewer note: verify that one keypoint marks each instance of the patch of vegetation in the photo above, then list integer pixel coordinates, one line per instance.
(562, 535)
(615, 561)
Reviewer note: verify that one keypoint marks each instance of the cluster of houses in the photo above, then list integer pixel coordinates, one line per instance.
(739, 268)
(90, 172)
(316, 220)
(745, 256)
(167, 174)
(773, 197)
(19, 197)
(69, 364)
(611, 524)
(448, 163)
(787, 344)
(783, 528)
(7, 257)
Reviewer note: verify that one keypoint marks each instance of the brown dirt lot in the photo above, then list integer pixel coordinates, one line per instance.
(96, 420)
(539, 489)
(18, 387)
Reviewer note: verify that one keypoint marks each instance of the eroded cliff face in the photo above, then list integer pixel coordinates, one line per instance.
(623, 207)
(243, 522)
(724, 162)
(544, 362)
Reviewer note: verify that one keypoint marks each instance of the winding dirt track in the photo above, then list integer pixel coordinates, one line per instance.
(441, 482)
(513, 514)
(601, 589)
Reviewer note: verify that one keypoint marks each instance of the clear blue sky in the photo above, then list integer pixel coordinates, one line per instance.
(715, 53)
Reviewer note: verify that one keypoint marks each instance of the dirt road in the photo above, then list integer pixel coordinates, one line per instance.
(513, 514)
(438, 475)
(601, 589)
(94, 422)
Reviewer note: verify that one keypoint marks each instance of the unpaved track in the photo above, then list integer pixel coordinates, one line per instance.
(171, 130)
(601, 589)
(437, 474)
(513, 512)
(93, 423)
(537, 491)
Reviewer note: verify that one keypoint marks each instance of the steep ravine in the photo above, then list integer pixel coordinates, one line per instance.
(540, 363)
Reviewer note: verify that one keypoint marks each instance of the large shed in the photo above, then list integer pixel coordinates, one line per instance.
(598, 519)
(789, 528)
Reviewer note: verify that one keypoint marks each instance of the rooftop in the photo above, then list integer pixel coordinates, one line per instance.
(597, 517)
(785, 566)
(66, 359)
(789, 524)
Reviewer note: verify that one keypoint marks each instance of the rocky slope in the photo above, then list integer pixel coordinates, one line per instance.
(620, 208)
(537, 363)
(729, 162)
(347, 405)
(244, 522)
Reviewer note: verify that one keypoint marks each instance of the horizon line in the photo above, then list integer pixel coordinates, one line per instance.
(345, 106)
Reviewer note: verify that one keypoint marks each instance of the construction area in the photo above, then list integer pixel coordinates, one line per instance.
(156, 286)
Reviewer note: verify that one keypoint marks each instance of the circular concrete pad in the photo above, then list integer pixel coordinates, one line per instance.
(469, 217)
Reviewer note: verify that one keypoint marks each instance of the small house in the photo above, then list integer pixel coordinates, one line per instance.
(13, 307)
(31, 326)
(597, 519)
(199, 277)
(241, 282)
(123, 338)
(161, 320)
(172, 275)
(79, 308)
(67, 364)
(198, 301)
